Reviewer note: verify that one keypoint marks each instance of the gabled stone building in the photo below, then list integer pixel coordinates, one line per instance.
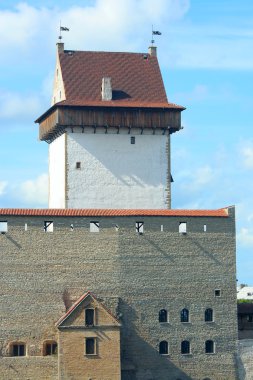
(110, 283)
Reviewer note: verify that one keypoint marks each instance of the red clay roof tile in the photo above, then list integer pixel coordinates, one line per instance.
(135, 77)
(223, 212)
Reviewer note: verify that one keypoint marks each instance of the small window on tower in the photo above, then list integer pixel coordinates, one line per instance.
(78, 165)
(217, 292)
(132, 139)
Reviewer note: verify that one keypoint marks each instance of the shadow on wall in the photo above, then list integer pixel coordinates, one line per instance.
(140, 164)
(139, 360)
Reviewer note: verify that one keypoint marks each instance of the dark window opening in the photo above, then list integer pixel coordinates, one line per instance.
(217, 292)
(78, 165)
(90, 347)
(185, 315)
(89, 317)
(209, 347)
(163, 315)
(209, 315)
(18, 349)
(185, 347)
(163, 348)
(132, 139)
(51, 348)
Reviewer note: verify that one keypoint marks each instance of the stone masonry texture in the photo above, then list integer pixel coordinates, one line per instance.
(134, 275)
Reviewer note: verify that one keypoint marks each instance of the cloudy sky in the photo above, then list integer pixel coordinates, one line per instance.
(206, 57)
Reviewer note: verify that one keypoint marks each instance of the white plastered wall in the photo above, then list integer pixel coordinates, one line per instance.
(57, 172)
(115, 173)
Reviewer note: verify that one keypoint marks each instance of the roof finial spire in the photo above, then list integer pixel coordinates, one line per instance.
(62, 29)
(154, 33)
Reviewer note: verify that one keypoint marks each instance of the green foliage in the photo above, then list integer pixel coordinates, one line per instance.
(244, 301)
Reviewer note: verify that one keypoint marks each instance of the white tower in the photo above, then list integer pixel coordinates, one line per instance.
(109, 132)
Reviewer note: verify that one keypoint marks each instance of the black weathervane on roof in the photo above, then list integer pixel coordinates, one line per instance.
(154, 33)
(62, 29)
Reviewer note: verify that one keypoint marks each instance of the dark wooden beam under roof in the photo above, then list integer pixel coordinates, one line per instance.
(57, 118)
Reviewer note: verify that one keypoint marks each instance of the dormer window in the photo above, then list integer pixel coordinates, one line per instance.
(89, 317)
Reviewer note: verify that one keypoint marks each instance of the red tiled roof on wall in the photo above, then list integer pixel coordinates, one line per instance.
(223, 212)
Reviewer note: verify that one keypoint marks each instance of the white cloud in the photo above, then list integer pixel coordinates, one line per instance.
(199, 93)
(35, 192)
(3, 185)
(126, 25)
(18, 105)
(198, 178)
(245, 237)
(246, 151)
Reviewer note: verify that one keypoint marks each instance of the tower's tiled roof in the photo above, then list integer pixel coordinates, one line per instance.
(136, 78)
(222, 212)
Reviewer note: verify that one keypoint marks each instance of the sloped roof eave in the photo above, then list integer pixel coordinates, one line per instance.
(77, 303)
(139, 105)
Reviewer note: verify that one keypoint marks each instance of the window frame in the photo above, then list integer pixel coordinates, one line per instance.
(95, 346)
(182, 316)
(209, 310)
(212, 347)
(187, 349)
(163, 314)
(53, 350)
(17, 345)
(85, 317)
(164, 347)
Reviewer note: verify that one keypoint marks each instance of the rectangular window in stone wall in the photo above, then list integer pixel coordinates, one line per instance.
(50, 348)
(3, 227)
(48, 226)
(17, 349)
(94, 226)
(89, 317)
(182, 228)
(90, 346)
(139, 227)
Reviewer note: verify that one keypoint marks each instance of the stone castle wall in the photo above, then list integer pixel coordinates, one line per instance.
(135, 275)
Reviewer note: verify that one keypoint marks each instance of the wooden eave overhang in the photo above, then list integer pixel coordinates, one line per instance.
(165, 116)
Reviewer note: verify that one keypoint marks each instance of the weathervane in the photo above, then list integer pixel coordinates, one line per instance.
(154, 33)
(62, 29)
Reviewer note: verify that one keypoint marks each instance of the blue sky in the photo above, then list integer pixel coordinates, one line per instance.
(206, 58)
